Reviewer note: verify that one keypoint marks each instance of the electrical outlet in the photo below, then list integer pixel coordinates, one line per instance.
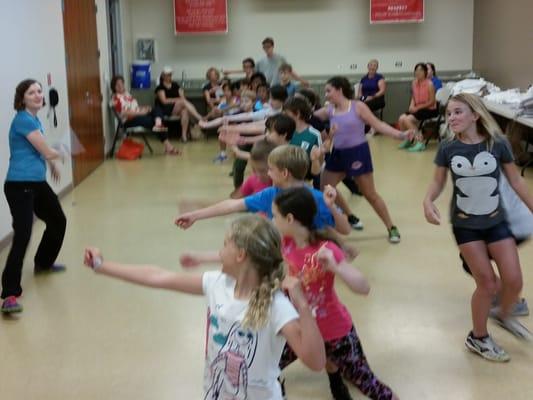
(353, 66)
(398, 64)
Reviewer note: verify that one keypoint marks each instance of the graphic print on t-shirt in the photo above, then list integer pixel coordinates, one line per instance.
(228, 373)
(312, 274)
(478, 189)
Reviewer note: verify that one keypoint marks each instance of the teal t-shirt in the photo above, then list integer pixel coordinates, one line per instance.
(25, 162)
(307, 139)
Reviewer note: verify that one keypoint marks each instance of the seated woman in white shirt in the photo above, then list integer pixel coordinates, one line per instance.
(133, 115)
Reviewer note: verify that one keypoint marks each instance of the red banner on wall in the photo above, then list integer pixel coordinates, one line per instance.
(200, 16)
(389, 11)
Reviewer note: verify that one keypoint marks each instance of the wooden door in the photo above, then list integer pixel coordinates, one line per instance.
(83, 81)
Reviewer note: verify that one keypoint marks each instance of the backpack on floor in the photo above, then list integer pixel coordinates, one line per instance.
(130, 150)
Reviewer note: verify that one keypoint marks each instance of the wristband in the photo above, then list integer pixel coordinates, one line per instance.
(97, 262)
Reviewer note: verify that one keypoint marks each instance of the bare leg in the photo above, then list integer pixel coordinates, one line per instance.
(412, 123)
(505, 254)
(333, 179)
(366, 185)
(342, 204)
(184, 124)
(158, 122)
(477, 257)
(402, 122)
(192, 110)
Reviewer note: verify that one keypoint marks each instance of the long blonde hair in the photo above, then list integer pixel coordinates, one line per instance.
(262, 244)
(486, 125)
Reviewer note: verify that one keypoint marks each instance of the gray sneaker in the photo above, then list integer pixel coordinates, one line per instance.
(486, 348)
(514, 326)
(520, 308)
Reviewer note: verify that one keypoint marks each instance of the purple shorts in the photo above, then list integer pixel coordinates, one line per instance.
(354, 161)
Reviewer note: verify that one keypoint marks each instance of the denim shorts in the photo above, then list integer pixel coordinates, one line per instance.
(354, 161)
(490, 235)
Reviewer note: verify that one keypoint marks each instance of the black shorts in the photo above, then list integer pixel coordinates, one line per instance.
(354, 161)
(425, 113)
(489, 235)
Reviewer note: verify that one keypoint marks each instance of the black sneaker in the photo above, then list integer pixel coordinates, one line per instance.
(337, 387)
(355, 222)
(56, 267)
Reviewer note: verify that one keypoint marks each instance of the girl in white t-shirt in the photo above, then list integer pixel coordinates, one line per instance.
(249, 318)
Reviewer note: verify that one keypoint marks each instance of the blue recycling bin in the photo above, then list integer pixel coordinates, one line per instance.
(140, 74)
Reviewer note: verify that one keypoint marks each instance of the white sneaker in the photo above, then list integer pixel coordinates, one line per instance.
(486, 348)
(514, 326)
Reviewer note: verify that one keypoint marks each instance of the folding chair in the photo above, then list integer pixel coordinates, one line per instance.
(442, 96)
(122, 130)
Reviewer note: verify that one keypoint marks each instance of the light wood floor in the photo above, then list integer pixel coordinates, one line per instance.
(83, 336)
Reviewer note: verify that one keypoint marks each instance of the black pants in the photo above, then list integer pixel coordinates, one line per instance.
(376, 103)
(239, 166)
(25, 199)
(147, 121)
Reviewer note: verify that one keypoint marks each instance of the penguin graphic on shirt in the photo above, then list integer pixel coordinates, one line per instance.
(476, 195)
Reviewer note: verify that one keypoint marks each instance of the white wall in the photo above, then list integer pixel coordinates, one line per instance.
(316, 36)
(33, 47)
(127, 38)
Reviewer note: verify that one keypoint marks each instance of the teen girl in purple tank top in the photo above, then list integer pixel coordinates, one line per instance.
(350, 156)
(350, 130)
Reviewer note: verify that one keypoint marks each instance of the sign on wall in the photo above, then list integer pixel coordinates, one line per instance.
(200, 16)
(391, 11)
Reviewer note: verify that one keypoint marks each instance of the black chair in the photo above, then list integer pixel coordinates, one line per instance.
(126, 132)
(379, 113)
(442, 96)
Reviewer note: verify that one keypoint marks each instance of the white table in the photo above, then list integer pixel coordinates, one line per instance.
(510, 113)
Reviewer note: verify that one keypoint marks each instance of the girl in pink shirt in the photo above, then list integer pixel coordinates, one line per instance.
(423, 106)
(315, 260)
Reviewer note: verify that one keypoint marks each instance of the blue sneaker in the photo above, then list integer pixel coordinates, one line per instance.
(220, 158)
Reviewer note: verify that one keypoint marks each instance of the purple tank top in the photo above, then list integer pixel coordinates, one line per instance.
(350, 128)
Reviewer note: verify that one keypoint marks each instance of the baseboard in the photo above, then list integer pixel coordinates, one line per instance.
(6, 240)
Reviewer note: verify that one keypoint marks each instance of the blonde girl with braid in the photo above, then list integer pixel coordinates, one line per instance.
(249, 317)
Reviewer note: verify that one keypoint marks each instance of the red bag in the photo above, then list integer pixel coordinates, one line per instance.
(130, 150)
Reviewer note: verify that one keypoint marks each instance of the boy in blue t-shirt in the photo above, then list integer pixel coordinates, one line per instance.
(288, 166)
(286, 77)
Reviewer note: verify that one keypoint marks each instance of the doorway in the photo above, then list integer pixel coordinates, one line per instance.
(83, 82)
